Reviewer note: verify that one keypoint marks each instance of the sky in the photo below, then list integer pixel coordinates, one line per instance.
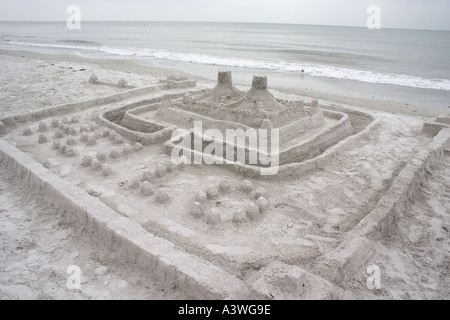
(405, 14)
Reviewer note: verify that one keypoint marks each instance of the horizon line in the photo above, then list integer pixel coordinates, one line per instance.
(229, 22)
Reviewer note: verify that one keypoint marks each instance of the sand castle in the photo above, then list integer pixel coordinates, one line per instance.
(223, 231)
(304, 130)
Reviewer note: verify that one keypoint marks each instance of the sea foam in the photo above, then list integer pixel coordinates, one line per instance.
(315, 70)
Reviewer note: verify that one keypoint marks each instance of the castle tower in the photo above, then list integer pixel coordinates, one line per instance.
(224, 78)
(259, 83)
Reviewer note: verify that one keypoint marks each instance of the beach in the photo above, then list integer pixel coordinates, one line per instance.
(37, 243)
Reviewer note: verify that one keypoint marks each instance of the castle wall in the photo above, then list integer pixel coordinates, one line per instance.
(316, 146)
(134, 123)
(295, 155)
(301, 126)
(186, 120)
(64, 109)
(113, 120)
(122, 237)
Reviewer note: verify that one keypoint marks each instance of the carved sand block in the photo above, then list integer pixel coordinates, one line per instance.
(162, 197)
(200, 196)
(42, 127)
(112, 135)
(42, 139)
(62, 148)
(260, 192)
(212, 192)
(246, 186)
(252, 211)
(84, 128)
(135, 183)
(56, 145)
(74, 119)
(27, 132)
(55, 123)
(225, 186)
(84, 137)
(106, 133)
(213, 217)
(70, 151)
(115, 153)
(148, 176)
(66, 128)
(101, 156)
(160, 171)
(239, 216)
(147, 189)
(98, 134)
(59, 134)
(72, 131)
(91, 141)
(118, 139)
(93, 79)
(127, 149)
(86, 161)
(96, 165)
(107, 171)
(137, 147)
(71, 141)
(197, 210)
(262, 204)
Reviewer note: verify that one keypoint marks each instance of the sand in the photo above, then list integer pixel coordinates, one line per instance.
(309, 216)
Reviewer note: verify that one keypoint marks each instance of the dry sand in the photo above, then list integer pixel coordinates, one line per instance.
(37, 245)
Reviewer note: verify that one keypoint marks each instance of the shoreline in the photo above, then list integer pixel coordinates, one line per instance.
(389, 98)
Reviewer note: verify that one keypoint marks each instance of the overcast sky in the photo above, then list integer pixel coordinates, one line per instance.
(416, 14)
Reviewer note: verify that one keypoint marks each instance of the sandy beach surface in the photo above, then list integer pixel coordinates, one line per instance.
(36, 245)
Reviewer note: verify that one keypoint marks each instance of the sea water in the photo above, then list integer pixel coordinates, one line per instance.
(409, 58)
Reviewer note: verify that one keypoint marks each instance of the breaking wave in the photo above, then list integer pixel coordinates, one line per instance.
(314, 70)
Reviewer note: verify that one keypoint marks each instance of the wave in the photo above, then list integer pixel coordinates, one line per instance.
(328, 54)
(314, 70)
(80, 42)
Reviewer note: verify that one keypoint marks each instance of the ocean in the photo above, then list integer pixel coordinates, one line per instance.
(409, 58)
